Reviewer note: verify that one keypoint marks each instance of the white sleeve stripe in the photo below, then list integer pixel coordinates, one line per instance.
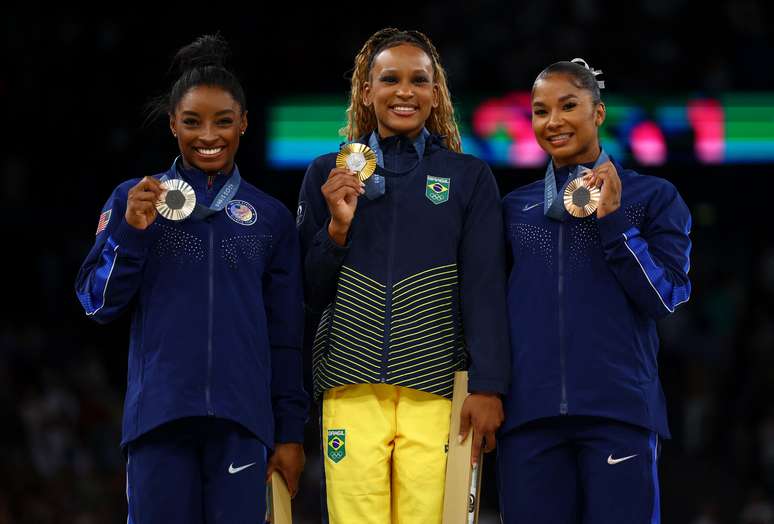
(671, 310)
(107, 281)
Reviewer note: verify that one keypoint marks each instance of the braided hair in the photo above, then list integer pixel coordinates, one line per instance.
(361, 120)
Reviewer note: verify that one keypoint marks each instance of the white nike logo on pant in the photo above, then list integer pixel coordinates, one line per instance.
(232, 469)
(612, 461)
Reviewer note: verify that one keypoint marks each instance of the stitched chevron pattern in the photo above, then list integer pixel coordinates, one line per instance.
(425, 345)
(349, 342)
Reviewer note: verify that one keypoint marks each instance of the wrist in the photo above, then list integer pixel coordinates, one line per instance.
(338, 231)
(602, 211)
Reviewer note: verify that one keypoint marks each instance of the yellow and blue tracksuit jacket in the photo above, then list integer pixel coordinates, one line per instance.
(418, 291)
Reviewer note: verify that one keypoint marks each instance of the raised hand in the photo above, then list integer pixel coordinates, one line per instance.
(141, 203)
(341, 192)
(606, 178)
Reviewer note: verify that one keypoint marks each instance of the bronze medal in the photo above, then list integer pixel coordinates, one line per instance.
(579, 200)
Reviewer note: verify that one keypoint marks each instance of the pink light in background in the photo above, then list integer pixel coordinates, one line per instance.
(648, 144)
(707, 119)
(512, 114)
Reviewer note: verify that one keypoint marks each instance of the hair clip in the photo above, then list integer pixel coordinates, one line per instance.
(595, 72)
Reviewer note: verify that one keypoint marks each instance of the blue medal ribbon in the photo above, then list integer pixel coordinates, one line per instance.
(375, 186)
(553, 207)
(224, 196)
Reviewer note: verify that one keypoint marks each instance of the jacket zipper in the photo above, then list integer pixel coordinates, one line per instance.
(388, 301)
(562, 355)
(210, 321)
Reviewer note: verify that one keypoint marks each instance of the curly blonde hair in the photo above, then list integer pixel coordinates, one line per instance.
(361, 119)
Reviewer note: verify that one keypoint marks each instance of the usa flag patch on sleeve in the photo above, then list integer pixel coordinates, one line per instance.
(104, 218)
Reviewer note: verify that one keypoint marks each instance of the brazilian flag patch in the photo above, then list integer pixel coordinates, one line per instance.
(437, 189)
(337, 448)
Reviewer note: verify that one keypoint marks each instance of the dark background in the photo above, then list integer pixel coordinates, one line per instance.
(73, 86)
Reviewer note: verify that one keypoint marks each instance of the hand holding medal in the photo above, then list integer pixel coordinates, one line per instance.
(141, 203)
(605, 179)
(581, 198)
(355, 163)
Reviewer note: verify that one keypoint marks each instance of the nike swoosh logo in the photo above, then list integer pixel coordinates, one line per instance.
(612, 461)
(527, 208)
(232, 469)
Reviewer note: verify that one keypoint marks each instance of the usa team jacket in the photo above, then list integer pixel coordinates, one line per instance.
(421, 263)
(583, 299)
(217, 312)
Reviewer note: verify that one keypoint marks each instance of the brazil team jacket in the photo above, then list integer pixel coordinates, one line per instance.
(583, 299)
(419, 289)
(217, 311)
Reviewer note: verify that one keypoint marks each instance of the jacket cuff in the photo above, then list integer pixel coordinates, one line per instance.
(289, 429)
(324, 241)
(613, 226)
(133, 239)
(487, 386)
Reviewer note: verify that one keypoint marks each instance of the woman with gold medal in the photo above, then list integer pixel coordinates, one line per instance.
(402, 241)
(209, 268)
(599, 254)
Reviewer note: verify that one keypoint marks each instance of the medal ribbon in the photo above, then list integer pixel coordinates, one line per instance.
(226, 193)
(553, 207)
(374, 186)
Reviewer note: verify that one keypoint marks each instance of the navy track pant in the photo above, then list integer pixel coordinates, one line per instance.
(197, 470)
(578, 470)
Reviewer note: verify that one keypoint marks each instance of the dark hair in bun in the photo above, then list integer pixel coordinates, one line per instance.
(582, 74)
(202, 62)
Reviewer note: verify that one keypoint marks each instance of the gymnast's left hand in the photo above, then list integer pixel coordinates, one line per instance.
(288, 459)
(484, 412)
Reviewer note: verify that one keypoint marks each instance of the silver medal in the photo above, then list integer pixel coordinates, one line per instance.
(177, 201)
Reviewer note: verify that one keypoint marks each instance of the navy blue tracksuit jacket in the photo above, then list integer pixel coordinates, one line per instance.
(217, 312)
(583, 299)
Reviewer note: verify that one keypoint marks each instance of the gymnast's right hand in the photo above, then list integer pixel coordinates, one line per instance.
(341, 192)
(141, 203)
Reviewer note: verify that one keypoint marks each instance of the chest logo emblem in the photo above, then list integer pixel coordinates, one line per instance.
(241, 212)
(437, 189)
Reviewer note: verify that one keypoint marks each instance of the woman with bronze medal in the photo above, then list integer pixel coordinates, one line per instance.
(209, 267)
(402, 241)
(599, 253)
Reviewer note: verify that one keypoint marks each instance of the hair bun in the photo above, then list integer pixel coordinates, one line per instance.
(207, 50)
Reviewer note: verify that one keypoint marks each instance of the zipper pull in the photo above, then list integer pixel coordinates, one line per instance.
(210, 180)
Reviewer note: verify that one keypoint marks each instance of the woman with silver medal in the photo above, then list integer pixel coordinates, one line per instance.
(209, 267)
(599, 254)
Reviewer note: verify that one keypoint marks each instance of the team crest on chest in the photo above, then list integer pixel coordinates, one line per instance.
(241, 212)
(337, 449)
(437, 189)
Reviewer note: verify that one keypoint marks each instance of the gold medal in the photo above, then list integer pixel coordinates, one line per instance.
(358, 158)
(177, 201)
(580, 201)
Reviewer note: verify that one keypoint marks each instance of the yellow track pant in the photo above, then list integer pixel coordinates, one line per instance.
(384, 449)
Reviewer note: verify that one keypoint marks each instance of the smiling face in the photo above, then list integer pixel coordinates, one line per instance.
(401, 89)
(208, 123)
(566, 120)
